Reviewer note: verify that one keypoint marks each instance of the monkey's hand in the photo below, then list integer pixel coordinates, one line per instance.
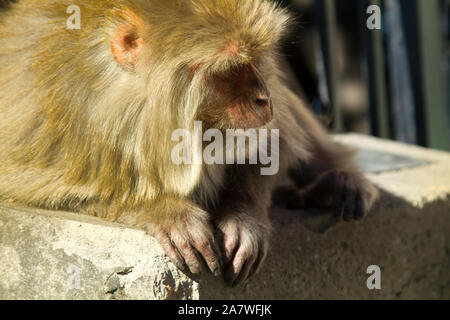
(188, 240)
(348, 193)
(244, 246)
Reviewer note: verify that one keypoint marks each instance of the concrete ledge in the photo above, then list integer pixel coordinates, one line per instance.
(56, 255)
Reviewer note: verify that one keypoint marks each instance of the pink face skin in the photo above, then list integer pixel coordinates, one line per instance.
(240, 100)
(247, 99)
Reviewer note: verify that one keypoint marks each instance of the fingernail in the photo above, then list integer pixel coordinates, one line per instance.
(180, 266)
(216, 272)
(195, 269)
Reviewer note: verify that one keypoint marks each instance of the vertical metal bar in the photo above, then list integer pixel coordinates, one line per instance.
(409, 9)
(326, 14)
(402, 91)
(446, 14)
(431, 42)
(375, 73)
(380, 81)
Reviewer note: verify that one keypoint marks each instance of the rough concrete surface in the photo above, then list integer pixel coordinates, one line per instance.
(56, 255)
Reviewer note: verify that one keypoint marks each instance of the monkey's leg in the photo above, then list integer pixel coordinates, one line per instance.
(185, 232)
(348, 193)
(330, 178)
(243, 222)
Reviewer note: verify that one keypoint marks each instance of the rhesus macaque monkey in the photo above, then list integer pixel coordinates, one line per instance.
(86, 119)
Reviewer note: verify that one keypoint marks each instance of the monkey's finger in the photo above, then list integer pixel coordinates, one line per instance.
(230, 275)
(243, 275)
(349, 206)
(324, 199)
(187, 251)
(231, 240)
(327, 192)
(209, 250)
(171, 252)
(320, 194)
(360, 210)
(258, 262)
(237, 265)
(249, 268)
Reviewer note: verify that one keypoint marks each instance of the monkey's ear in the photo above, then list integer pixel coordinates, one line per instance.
(126, 43)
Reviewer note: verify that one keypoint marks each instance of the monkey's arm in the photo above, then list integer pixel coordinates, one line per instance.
(243, 222)
(330, 178)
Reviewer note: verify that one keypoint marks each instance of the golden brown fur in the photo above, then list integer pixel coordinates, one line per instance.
(86, 120)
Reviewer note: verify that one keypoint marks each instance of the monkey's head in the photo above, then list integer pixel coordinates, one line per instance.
(203, 59)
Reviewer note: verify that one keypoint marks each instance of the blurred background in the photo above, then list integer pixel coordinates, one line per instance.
(391, 82)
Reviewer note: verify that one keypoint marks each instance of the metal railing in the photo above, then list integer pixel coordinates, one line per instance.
(404, 67)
